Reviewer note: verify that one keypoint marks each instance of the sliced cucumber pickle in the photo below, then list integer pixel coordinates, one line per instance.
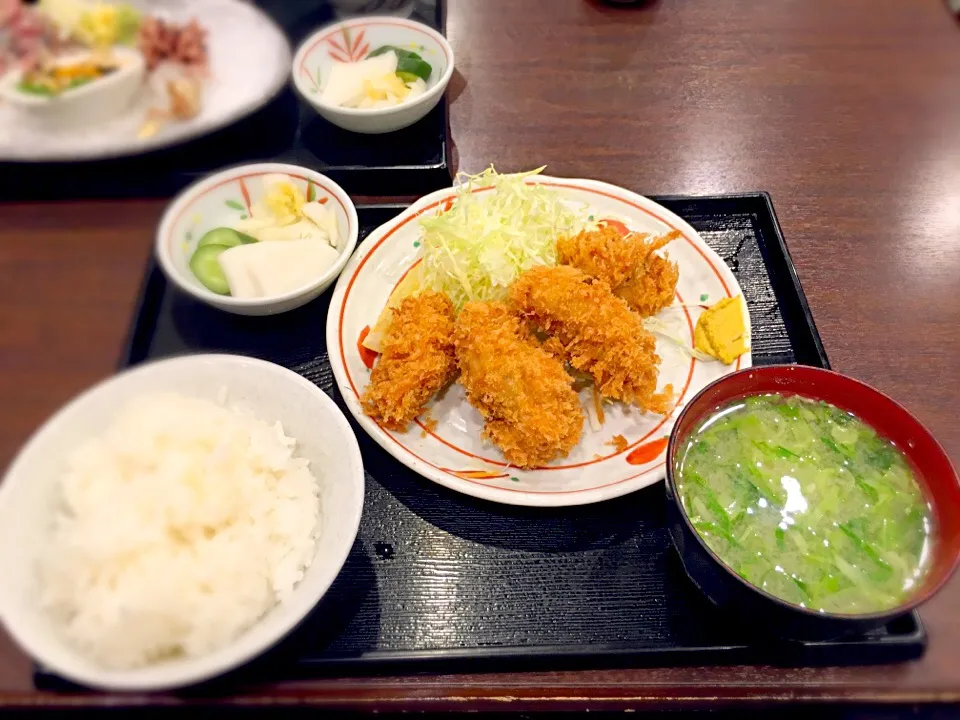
(414, 65)
(206, 266)
(410, 65)
(225, 237)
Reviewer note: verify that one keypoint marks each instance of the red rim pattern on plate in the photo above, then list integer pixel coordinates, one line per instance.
(633, 445)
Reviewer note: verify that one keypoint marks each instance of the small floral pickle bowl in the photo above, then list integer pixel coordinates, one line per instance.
(227, 197)
(352, 41)
(759, 609)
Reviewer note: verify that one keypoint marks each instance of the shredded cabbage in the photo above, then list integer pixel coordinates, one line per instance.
(477, 247)
(663, 329)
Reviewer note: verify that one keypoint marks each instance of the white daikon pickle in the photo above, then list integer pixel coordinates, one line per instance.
(344, 83)
(324, 219)
(237, 272)
(276, 268)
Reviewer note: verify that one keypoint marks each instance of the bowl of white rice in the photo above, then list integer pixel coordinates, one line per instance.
(175, 521)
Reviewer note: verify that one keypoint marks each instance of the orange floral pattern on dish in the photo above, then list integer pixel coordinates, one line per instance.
(476, 474)
(350, 48)
(648, 452)
(245, 193)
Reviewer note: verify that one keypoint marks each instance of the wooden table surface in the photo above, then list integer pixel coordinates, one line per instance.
(847, 112)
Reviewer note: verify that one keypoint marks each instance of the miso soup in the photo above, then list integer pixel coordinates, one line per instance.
(807, 502)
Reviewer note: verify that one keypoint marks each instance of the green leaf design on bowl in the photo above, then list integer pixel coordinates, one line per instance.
(234, 204)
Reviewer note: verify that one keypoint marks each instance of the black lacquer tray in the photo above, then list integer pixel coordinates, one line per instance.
(412, 161)
(441, 582)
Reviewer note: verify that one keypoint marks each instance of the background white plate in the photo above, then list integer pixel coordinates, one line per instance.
(453, 453)
(249, 64)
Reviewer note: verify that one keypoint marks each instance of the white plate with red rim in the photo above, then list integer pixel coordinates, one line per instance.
(444, 444)
(249, 63)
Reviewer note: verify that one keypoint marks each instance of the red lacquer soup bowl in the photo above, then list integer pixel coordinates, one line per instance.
(892, 421)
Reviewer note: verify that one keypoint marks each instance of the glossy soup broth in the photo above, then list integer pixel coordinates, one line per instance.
(806, 501)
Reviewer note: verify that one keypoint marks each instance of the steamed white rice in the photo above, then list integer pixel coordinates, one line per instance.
(179, 528)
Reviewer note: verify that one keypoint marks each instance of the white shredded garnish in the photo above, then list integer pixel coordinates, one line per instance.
(659, 327)
(475, 248)
(590, 406)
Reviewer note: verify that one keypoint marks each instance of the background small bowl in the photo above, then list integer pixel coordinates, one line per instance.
(225, 197)
(28, 497)
(351, 40)
(891, 420)
(98, 101)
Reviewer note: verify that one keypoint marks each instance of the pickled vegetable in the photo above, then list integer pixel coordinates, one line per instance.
(410, 65)
(225, 236)
(205, 264)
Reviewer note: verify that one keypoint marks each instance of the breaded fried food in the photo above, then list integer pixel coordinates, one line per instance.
(603, 253)
(653, 285)
(532, 413)
(627, 263)
(595, 331)
(416, 362)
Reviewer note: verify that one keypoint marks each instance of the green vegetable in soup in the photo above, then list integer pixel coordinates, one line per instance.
(807, 502)
(410, 65)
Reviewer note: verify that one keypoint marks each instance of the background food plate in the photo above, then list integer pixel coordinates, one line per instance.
(445, 445)
(249, 64)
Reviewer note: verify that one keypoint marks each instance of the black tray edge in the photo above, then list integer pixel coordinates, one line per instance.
(146, 309)
(903, 648)
(795, 279)
(794, 296)
(899, 648)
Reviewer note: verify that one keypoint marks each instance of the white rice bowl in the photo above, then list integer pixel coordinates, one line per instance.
(180, 604)
(182, 525)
